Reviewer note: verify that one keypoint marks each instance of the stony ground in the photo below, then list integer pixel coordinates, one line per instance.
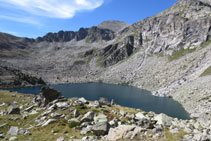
(78, 119)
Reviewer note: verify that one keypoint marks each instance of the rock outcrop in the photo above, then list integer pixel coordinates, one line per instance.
(48, 95)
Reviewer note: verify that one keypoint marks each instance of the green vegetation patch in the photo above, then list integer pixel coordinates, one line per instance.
(73, 124)
(206, 72)
(181, 52)
(79, 62)
(174, 137)
(205, 44)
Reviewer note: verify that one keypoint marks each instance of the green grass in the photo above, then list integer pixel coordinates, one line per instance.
(206, 72)
(174, 137)
(90, 59)
(181, 52)
(73, 124)
(205, 44)
(99, 62)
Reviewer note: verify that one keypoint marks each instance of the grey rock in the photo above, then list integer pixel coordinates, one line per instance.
(78, 103)
(29, 108)
(122, 113)
(23, 131)
(76, 113)
(61, 139)
(56, 115)
(13, 131)
(13, 109)
(113, 123)
(89, 138)
(100, 128)
(62, 105)
(49, 122)
(86, 130)
(13, 138)
(82, 99)
(104, 101)
(95, 104)
(48, 94)
(3, 125)
(2, 136)
(140, 116)
(163, 120)
(100, 118)
(89, 116)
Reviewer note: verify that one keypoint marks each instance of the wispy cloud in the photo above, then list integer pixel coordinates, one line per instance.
(18, 10)
(53, 8)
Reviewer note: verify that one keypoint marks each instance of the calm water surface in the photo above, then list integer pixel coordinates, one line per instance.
(123, 95)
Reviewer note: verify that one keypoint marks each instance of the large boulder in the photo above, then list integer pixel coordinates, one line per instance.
(48, 95)
(120, 132)
(163, 119)
(13, 109)
(89, 116)
(104, 101)
(101, 126)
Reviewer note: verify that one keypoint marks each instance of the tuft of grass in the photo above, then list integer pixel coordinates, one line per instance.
(206, 72)
(90, 59)
(79, 62)
(181, 52)
(73, 124)
(99, 62)
(174, 137)
(205, 44)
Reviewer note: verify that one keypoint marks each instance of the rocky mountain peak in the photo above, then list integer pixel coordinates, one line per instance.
(113, 25)
(190, 9)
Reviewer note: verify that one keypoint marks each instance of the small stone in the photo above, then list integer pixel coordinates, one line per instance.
(61, 139)
(49, 122)
(122, 113)
(76, 113)
(13, 131)
(83, 100)
(104, 101)
(13, 138)
(140, 116)
(88, 117)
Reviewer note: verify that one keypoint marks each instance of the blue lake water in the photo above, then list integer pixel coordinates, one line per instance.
(123, 95)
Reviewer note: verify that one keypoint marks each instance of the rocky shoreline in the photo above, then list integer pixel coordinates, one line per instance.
(51, 116)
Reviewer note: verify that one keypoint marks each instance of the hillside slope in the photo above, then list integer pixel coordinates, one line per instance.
(166, 54)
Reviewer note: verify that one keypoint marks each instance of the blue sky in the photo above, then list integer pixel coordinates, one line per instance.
(33, 18)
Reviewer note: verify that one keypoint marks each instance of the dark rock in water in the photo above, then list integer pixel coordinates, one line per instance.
(104, 101)
(13, 109)
(48, 94)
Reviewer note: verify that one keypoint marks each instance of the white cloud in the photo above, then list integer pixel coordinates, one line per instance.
(52, 8)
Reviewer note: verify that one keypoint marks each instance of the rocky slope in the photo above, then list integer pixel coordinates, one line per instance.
(49, 116)
(166, 54)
